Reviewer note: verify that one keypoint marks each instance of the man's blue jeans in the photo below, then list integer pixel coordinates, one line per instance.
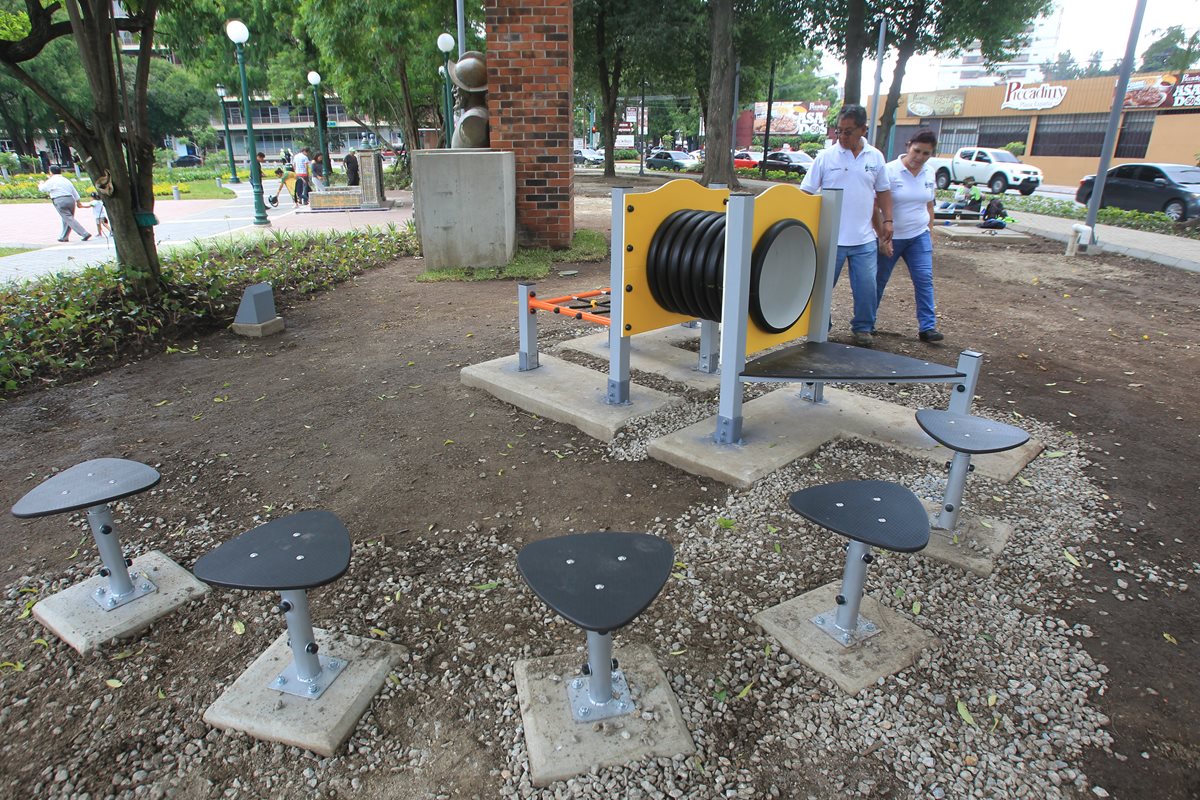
(863, 259)
(917, 253)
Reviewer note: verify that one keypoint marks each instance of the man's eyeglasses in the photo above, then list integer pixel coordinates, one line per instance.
(848, 131)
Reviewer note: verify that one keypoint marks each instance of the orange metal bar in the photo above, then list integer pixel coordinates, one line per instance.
(555, 305)
(580, 296)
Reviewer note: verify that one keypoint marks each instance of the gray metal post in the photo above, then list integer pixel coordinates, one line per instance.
(109, 544)
(854, 577)
(821, 305)
(618, 342)
(961, 394)
(956, 482)
(462, 28)
(301, 638)
(527, 352)
(1114, 117)
(600, 689)
(710, 345)
(735, 304)
(874, 120)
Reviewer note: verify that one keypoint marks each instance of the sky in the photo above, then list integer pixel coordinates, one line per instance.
(1087, 26)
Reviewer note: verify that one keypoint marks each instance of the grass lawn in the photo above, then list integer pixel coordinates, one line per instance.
(12, 251)
(203, 190)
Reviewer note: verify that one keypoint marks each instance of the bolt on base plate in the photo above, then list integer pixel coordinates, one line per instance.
(142, 586)
(584, 710)
(827, 622)
(289, 682)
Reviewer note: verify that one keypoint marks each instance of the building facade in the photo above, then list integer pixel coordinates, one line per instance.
(282, 126)
(1062, 123)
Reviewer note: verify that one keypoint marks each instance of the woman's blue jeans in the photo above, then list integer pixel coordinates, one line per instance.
(862, 260)
(917, 253)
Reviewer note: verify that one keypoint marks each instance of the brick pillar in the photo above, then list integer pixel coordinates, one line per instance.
(530, 67)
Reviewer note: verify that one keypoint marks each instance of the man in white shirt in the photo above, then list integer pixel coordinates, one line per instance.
(65, 199)
(300, 167)
(857, 168)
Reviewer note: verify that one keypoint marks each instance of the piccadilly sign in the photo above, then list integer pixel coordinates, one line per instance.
(1032, 98)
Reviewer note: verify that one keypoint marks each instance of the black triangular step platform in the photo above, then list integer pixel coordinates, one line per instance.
(876, 513)
(966, 434)
(305, 550)
(92, 483)
(829, 361)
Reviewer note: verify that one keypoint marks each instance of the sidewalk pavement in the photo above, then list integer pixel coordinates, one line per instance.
(1172, 251)
(180, 222)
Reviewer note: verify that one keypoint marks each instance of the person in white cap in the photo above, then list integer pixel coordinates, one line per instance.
(65, 199)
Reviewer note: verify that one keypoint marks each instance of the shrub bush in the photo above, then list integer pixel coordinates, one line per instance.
(626, 154)
(61, 327)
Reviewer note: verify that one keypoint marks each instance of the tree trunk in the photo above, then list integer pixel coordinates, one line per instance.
(609, 73)
(905, 52)
(718, 148)
(856, 45)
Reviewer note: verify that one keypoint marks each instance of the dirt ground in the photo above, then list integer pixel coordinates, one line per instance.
(358, 409)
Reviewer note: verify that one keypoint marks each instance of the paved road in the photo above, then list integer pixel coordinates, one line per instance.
(180, 222)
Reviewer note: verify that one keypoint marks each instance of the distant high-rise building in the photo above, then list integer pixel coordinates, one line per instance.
(969, 69)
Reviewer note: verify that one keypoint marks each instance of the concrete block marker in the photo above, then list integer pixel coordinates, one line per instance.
(781, 427)
(894, 648)
(561, 748)
(72, 616)
(563, 392)
(973, 546)
(658, 352)
(256, 707)
(256, 315)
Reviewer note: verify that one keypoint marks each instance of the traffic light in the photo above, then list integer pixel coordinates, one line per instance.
(595, 129)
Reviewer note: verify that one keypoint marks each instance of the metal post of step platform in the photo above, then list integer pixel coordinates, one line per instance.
(821, 305)
(599, 667)
(710, 347)
(309, 674)
(527, 353)
(961, 394)
(854, 576)
(109, 544)
(956, 483)
(618, 342)
(739, 231)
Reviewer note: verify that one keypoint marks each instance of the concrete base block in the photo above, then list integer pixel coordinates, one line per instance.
(564, 392)
(252, 706)
(560, 748)
(73, 616)
(973, 546)
(260, 329)
(780, 427)
(893, 649)
(657, 352)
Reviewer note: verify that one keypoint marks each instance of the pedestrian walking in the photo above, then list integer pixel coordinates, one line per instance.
(316, 172)
(99, 214)
(912, 188)
(857, 168)
(65, 199)
(351, 164)
(300, 163)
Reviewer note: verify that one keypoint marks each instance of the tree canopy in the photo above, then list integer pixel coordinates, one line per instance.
(1174, 51)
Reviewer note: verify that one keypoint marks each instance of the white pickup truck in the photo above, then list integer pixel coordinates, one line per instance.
(999, 170)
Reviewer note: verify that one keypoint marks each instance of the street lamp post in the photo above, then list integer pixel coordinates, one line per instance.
(233, 176)
(445, 43)
(314, 78)
(239, 34)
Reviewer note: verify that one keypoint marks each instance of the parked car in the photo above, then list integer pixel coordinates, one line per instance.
(588, 157)
(999, 170)
(187, 161)
(789, 161)
(1173, 189)
(747, 159)
(671, 159)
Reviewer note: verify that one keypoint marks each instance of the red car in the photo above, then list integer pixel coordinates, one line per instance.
(745, 159)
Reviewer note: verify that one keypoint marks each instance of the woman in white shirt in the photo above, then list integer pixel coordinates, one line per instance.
(912, 186)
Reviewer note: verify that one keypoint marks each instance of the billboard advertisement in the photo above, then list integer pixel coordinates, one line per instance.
(935, 104)
(792, 118)
(1169, 90)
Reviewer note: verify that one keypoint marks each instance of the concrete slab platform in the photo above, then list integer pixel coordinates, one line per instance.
(657, 352)
(258, 330)
(894, 648)
(252, 706)
(564, 392)
(960, 232)
(779, 427)
(560, 748)
(74, 617)
(973, 546)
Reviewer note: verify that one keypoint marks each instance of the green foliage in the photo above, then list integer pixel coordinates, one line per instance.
(1174, 51)
(772, 175)
(1016, 148)
(64, 326)
(625, 154)
(529, 263)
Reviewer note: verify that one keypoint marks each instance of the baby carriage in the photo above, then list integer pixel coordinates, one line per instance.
(287, 182)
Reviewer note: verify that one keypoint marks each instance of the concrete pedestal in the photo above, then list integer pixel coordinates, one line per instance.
(254, 706)
(973, 546)
(465, 207)
(73, 616)
(561, 748)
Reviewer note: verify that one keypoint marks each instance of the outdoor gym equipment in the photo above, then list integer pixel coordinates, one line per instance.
(120, 601)
(600, 582)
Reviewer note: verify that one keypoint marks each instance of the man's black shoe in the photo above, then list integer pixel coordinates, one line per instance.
(931, 335)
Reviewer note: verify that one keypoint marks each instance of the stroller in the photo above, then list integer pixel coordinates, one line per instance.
(287, 182)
